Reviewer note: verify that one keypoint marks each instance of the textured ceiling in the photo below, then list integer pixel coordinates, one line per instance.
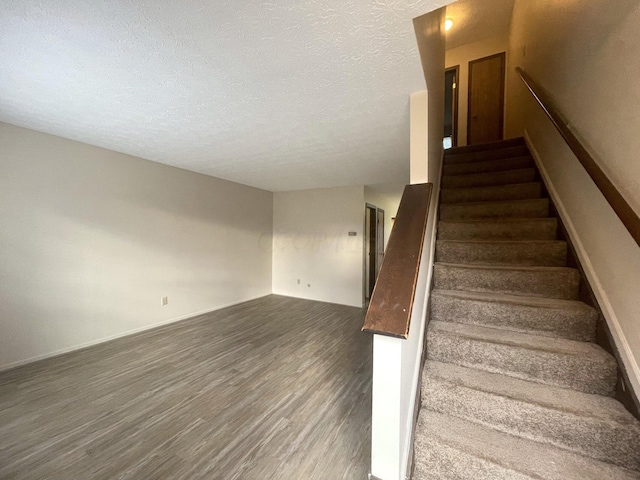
(475, 20)
(281, 94)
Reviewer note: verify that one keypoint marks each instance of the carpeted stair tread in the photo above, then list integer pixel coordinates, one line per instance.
(499, 229)
(592, 425)
(581, 366)
(450, 448)
(503, 252)
(517, 191)
(529, 208)
(481, 147)
(485, 154)
(493, 165)
(552, 282)
(570, 319)
(513, 387)
(525, 175)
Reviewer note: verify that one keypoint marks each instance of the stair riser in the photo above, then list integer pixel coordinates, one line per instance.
(449, 447)
(492, 154)
(521, 191)
(568, 324)
(550, 255)
(441, 462)
(551, 368)
(488, 179)
(595, 438)
(536, 229)
(488, 166)
(561, 284)
(535, 208)
(498, 145)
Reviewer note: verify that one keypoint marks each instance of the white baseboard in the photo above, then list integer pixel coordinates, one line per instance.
(621, 343)
(81, 346)
(358, 304)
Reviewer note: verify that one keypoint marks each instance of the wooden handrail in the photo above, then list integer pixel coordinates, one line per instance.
(391, 303)
(622, 208)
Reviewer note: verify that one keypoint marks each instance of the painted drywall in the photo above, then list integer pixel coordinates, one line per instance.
(584, 53)
(418, 136)
(462, 56)
(92, 239)
(430, 36)
(396, 362)
(312, 245)
(431, 44)
(387, 197)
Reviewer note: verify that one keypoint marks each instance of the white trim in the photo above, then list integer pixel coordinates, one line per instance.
(626, 354)
(81, 346)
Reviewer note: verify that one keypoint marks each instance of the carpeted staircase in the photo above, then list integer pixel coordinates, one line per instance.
(513, 386)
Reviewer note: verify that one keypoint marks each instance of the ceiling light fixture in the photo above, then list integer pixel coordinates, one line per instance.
(448, 23)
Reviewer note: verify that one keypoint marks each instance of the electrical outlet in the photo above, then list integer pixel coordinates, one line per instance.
(298, 281)
(164, 300)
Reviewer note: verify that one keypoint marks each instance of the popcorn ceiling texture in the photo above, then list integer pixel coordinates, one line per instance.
(280, 95)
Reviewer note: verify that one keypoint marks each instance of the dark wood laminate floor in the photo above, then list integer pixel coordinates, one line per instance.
(276, 388)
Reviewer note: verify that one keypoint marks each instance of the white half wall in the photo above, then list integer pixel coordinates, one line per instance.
(462, 56)
(397, 362)
(584, 54)
(91, 239)
(314, 257)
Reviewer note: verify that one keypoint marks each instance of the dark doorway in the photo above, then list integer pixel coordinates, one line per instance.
(379, 240)
(451, 106)
(486, 99)
(374, 246)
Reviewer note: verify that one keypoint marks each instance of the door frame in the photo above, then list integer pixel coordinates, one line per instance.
(379, 240)
(502, 87)
(370, 213)
(373, 245)
(456, 91)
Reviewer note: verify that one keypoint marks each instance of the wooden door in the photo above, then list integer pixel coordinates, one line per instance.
(486, 99)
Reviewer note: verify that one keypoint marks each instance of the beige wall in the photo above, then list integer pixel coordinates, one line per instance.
(585, 54)
(311, 243)
(462, 56)
(429, 31)
(90, 240)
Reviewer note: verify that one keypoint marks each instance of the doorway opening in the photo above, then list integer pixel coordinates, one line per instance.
(451, 106)
(374, 246)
